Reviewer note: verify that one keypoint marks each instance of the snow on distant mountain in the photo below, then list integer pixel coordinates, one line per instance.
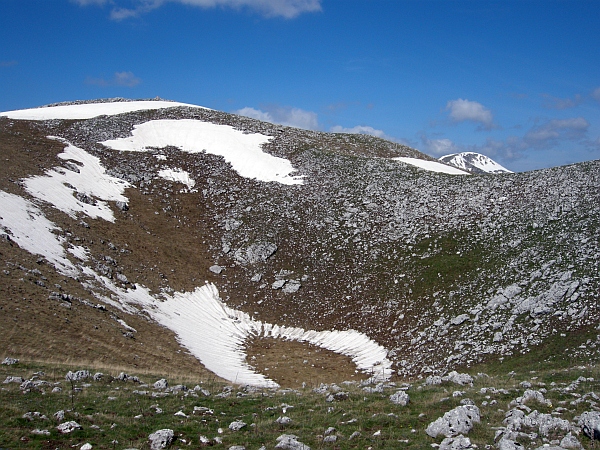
(474, 163)
(431, 166)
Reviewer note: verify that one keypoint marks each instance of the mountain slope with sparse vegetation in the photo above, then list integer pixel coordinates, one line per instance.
(140, 240)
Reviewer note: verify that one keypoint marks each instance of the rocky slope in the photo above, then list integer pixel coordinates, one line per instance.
(440, 270)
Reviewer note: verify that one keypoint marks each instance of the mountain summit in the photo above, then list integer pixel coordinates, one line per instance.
(474, 163)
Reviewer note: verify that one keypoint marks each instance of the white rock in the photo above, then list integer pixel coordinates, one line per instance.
(400, 398)
(290, 442)
(237, 425)
(216, 269)
(161, 384)
(9, 361)
(459, 319)
(458, 443)
(590, 424)
(570, 441)
(68, 427)
(161, 439)
(460, 420)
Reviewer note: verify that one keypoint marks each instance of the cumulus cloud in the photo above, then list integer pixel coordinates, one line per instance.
(593, 145)
(288, 9)
(126, 79)
(362, 129)
(596, 94)
(255, 114)
(462, 110)
(89, 2)
(291, 117)
(548, 133)
(438, 147)
(562, 103)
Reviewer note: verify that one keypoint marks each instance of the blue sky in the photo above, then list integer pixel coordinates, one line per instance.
(518, 80)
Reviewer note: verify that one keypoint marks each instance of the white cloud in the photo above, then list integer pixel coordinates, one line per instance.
(288, 9)
(562, 103)
(593, 145)
(299, 118)
(465, 110)
(438, 147)
(596, 94)
(548, 133)
(127, 79)
(291, 117)
(362, 129)
(8, 63)
(89, 2)
(255, 114)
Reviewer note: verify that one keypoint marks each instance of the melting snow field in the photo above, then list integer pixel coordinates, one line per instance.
(243, 151)
(215, 334)
(89, 110)
(84, 176)
(212, 331)
(432, 166)
(32, 231)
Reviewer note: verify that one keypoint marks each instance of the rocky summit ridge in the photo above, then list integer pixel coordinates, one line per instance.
(438, 271)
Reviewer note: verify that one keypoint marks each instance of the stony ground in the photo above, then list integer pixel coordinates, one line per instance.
(49, 406)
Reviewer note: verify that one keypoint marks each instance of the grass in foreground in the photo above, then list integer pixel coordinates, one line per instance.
(121, 414)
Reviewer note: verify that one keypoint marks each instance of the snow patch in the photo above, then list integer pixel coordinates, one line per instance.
(81, 186)
(242, 150)
(79, 252)
(178, 176)
(32, 231)
(215, 333)
(90, 110)
(431, 166)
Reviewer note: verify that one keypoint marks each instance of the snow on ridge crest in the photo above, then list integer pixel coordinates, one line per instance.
(243, 151)
(90, 110)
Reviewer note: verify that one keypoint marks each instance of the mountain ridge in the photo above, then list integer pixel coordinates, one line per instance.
(412, 259)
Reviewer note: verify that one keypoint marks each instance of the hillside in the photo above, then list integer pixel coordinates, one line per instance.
(128, 234)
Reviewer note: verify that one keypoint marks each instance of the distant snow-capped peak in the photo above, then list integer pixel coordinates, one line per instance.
(474, 163)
